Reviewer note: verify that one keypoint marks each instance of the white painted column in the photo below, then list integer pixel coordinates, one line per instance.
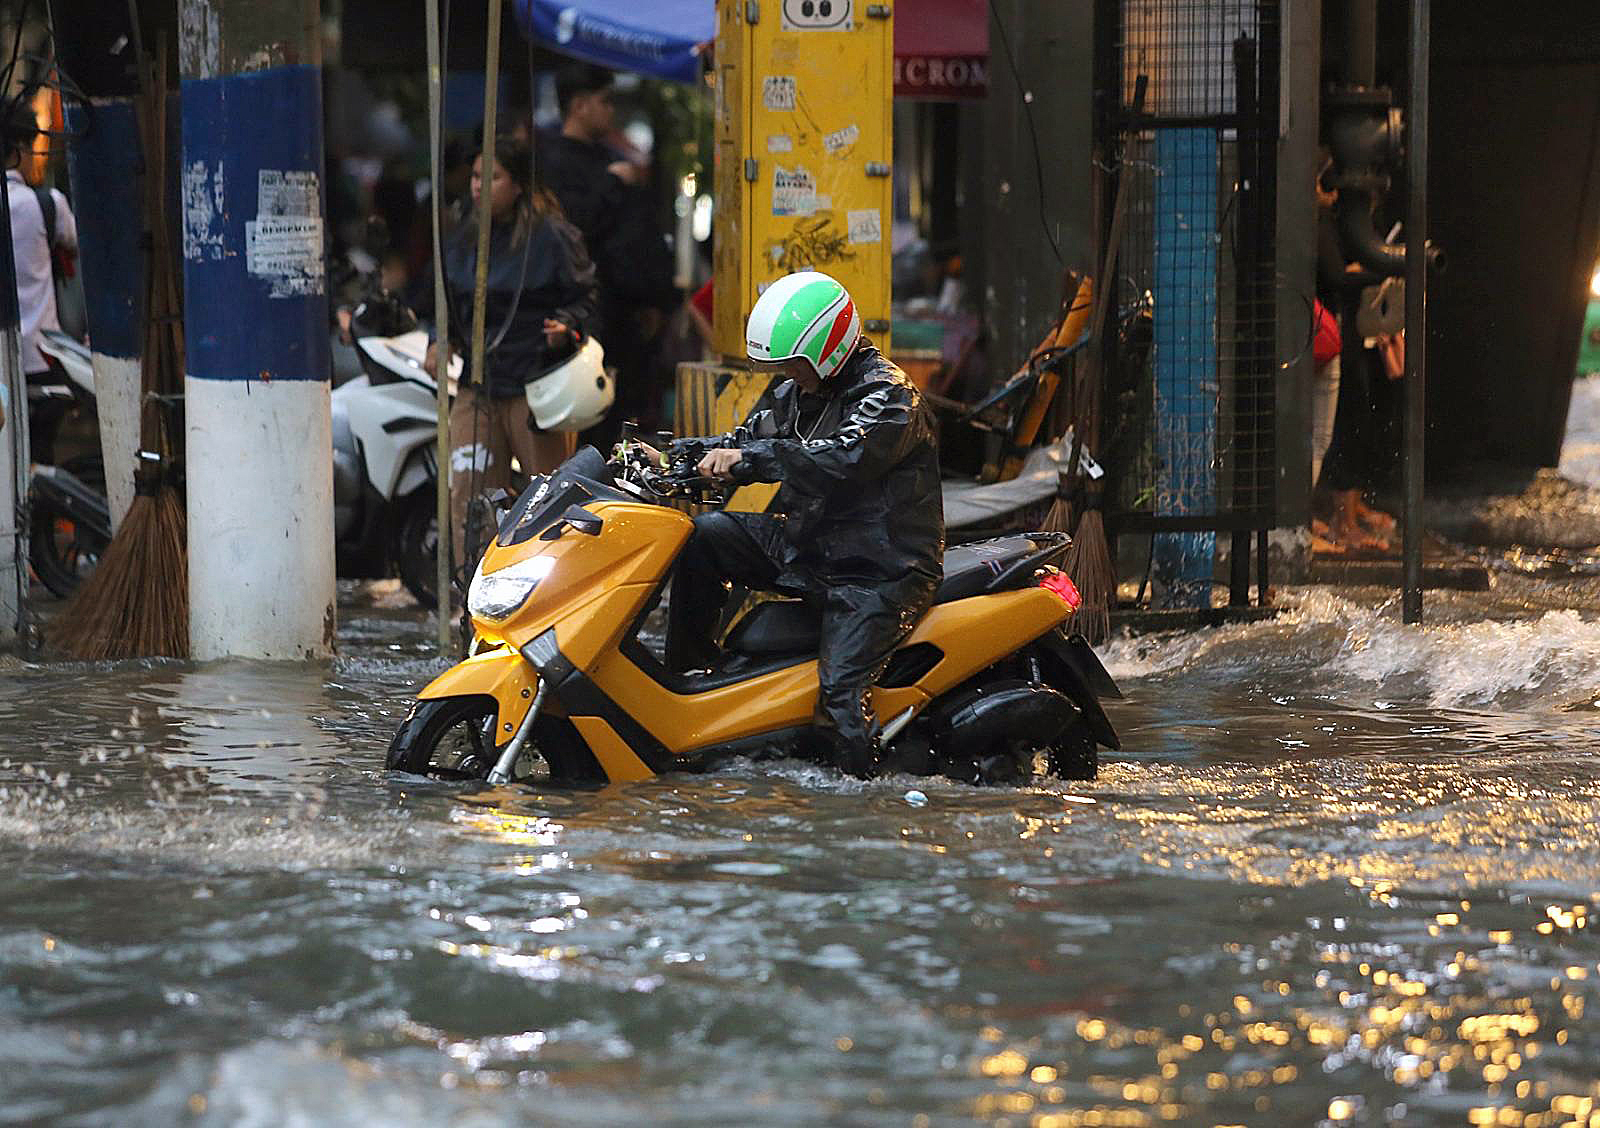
(261, 571)
(116, 393)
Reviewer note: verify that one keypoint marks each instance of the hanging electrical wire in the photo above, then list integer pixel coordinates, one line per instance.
(1033, 133)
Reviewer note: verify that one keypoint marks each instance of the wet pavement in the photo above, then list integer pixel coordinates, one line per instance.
(1343, 872)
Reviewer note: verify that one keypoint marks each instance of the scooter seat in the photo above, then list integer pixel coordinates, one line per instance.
(972, 569)
(790, 626)
(776, 627)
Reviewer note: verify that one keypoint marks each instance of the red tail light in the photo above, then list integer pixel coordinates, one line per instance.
(1061, 584)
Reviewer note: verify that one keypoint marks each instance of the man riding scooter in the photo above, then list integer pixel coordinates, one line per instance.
(857, 527)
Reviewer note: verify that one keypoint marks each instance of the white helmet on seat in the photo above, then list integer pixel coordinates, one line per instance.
(575, 394)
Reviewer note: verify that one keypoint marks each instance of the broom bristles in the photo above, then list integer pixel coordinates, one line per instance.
(136, 601)
(1059, 518)
(1089, 564)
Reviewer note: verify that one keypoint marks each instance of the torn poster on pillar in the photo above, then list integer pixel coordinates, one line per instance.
(283, 244)
(202, 212)
(287, 192)
(794, 192)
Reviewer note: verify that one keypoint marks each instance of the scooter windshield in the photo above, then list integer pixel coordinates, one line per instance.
(580, 479)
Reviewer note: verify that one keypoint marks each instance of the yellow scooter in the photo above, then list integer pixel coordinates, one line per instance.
(561, 686)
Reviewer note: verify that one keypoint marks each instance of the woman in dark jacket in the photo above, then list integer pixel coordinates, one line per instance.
(541, 301)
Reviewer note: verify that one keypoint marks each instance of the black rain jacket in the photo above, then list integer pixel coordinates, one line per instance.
(559, 282)
(858, 467)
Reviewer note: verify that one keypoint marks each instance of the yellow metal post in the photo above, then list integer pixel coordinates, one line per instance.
(803, 147)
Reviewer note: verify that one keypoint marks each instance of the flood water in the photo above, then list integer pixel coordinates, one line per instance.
(1342, 872)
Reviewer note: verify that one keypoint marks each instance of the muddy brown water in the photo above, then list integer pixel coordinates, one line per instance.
(1343, 871)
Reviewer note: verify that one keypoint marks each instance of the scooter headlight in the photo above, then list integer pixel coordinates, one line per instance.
(496, 595)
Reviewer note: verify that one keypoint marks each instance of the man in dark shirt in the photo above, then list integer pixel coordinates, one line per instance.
(607, 198)
(857, 527)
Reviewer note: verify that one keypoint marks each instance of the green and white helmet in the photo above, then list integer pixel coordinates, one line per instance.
(805, 315)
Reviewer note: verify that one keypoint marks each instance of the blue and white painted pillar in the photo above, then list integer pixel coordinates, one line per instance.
(258, 444)
(103, 162)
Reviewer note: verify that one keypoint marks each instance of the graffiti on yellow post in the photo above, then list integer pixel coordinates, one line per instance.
(814, 242)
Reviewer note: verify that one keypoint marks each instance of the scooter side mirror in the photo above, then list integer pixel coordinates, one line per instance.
(578, 518)
(582, 520)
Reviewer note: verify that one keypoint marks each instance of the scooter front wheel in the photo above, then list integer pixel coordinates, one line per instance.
(447, 738)
(454, 738)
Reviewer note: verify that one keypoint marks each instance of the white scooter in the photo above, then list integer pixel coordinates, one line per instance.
(384, 468)
(385, 440)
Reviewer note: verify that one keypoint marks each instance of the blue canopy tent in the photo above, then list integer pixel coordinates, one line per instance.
(662, 38)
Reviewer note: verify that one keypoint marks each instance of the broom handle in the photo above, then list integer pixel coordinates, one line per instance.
(147, 420)
(1119, 219)
(1102, 299)
(173, 309)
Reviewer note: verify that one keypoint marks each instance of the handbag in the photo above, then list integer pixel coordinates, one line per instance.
(71, 310)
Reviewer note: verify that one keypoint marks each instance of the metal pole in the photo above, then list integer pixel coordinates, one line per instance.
(1361, 43)
(13, 498)
(480, 282)
(441, 317)
(1416, 367)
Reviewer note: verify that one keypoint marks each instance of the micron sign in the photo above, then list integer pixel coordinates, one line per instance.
(941, 76)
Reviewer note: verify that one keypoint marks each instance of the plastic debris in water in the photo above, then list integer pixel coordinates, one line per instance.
(916, 798)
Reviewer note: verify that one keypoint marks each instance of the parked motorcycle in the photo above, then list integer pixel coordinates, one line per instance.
(561, 684)
(384, 438)
(69, 520)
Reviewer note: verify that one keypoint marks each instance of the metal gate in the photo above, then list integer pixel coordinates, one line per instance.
(1191, 421)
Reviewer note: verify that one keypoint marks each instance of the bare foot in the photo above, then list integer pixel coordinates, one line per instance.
(1376, 521)
(1351, 538)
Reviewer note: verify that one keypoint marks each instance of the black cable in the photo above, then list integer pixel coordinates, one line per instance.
(1033, 133)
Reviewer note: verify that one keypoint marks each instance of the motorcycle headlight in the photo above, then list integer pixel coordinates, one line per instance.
(496, 595)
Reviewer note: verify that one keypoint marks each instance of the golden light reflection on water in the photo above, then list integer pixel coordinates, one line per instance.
(1430, 1033)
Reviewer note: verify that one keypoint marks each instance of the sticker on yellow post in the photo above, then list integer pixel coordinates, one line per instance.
(816, 15)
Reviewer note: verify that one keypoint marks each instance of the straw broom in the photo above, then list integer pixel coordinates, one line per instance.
(1088, 559)
(136, 603)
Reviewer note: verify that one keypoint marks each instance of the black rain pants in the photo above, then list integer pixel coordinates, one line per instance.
(862, 623)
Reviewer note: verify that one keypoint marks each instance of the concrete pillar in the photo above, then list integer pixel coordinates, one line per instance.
(103, 163)
(260, 490)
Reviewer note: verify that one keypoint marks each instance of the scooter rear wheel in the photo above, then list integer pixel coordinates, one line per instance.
(62, 551)
(416, 540)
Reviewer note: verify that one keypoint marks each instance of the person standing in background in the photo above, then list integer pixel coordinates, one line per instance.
(607, 198)
(42, 225)
(540, 304)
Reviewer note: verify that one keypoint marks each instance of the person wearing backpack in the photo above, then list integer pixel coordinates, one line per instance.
(42, 227)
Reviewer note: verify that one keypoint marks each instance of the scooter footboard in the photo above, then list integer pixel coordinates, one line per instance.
(500, 673)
